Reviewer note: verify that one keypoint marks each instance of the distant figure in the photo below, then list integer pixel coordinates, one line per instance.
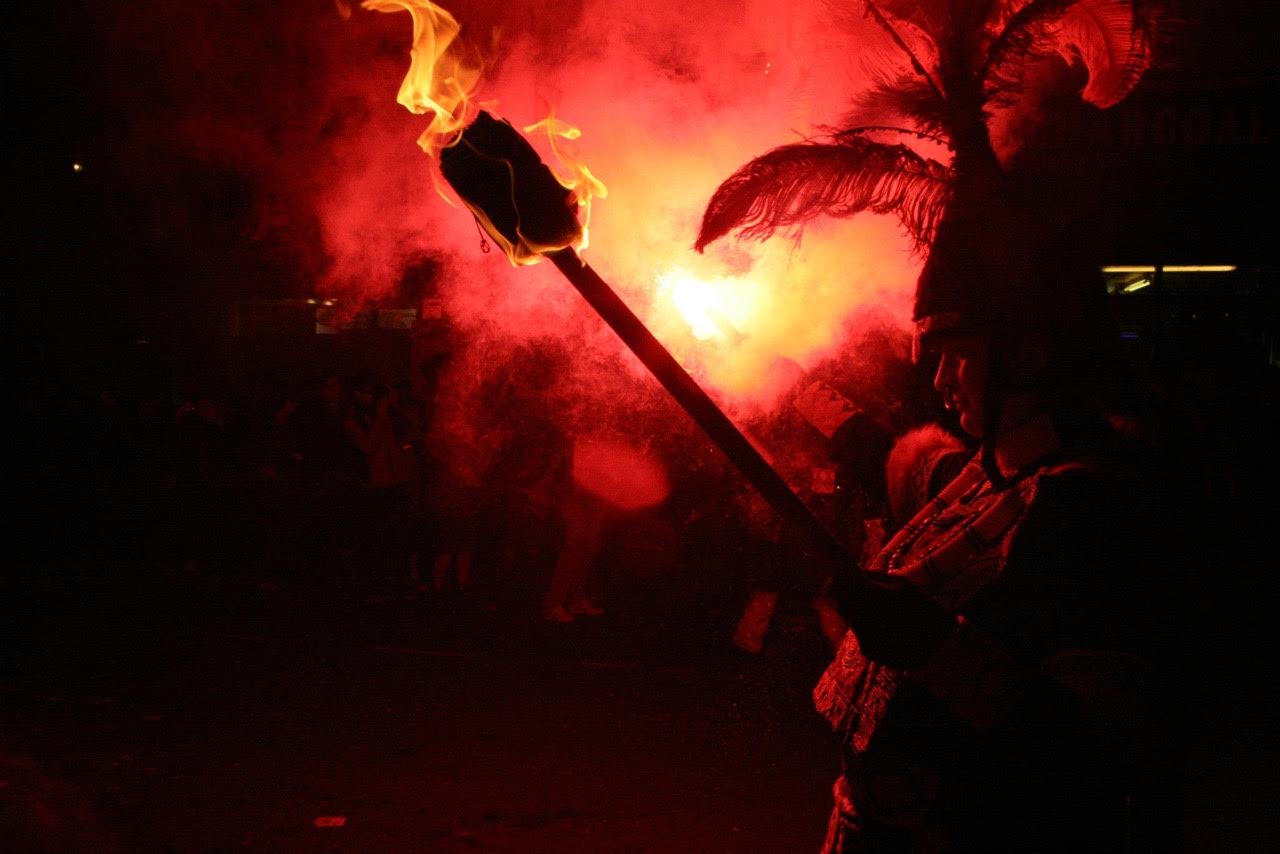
(328, 463)
(612, 477)
(378, 427)
(585, 518)
(379, 430)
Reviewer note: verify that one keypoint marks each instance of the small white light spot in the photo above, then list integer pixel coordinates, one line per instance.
(77, 166)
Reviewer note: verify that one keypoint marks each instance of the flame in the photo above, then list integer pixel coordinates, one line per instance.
(441, 79)
(580, 181)
(441, 74)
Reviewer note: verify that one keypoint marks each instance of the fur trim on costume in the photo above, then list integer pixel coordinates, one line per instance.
(909, 464)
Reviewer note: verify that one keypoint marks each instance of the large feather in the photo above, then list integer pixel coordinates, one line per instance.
(862, 130)
(794, 184)
(885, 24)
(1111, 38)
(1026, 35)
(906, 97)
(1108, 36)
(960, 53)
(928, 16)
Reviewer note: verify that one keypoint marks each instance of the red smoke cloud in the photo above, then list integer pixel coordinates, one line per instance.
(668, 106)
(299, 99)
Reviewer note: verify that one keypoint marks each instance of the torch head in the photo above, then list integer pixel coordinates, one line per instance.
(513, 194)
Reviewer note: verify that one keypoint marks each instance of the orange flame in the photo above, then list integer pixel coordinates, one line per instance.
(441, 78)
(441, 75)
(580, 181)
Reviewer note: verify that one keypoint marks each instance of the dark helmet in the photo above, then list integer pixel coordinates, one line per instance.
(1015, 261)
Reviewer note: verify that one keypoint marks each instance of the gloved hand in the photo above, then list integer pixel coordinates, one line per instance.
(896, 624)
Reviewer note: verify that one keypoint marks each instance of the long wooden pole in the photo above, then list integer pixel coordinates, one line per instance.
(676, 380)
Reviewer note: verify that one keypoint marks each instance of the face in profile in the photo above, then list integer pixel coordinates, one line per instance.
(962, 378)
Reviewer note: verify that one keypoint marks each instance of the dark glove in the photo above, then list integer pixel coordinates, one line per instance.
(896, 624)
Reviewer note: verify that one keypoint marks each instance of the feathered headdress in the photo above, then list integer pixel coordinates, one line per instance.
(963, 59)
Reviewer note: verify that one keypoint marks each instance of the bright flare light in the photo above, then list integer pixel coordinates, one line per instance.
(709, 308)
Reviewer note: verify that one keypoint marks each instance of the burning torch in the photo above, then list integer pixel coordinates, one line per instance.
(520, 203)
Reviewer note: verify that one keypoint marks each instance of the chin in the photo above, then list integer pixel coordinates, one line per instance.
(972, 425)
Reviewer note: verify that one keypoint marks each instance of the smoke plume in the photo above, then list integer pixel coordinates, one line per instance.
(297, 99)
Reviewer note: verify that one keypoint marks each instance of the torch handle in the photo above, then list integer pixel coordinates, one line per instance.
(726, 436)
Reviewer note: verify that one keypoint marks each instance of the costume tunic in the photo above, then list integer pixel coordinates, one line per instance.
(992, 745)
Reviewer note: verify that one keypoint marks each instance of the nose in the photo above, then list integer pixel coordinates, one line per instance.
(944, 378)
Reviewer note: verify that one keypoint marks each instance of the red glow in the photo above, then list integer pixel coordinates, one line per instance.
(618, 473)
(668, 105)
(330, 821)
(665, 112)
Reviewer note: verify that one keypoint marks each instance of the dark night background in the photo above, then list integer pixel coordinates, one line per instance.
(212, 685)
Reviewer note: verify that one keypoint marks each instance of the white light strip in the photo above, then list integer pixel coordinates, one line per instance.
(1174, 268)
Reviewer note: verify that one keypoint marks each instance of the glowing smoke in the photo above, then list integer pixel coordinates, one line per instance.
(299, 98)
(669, 106)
